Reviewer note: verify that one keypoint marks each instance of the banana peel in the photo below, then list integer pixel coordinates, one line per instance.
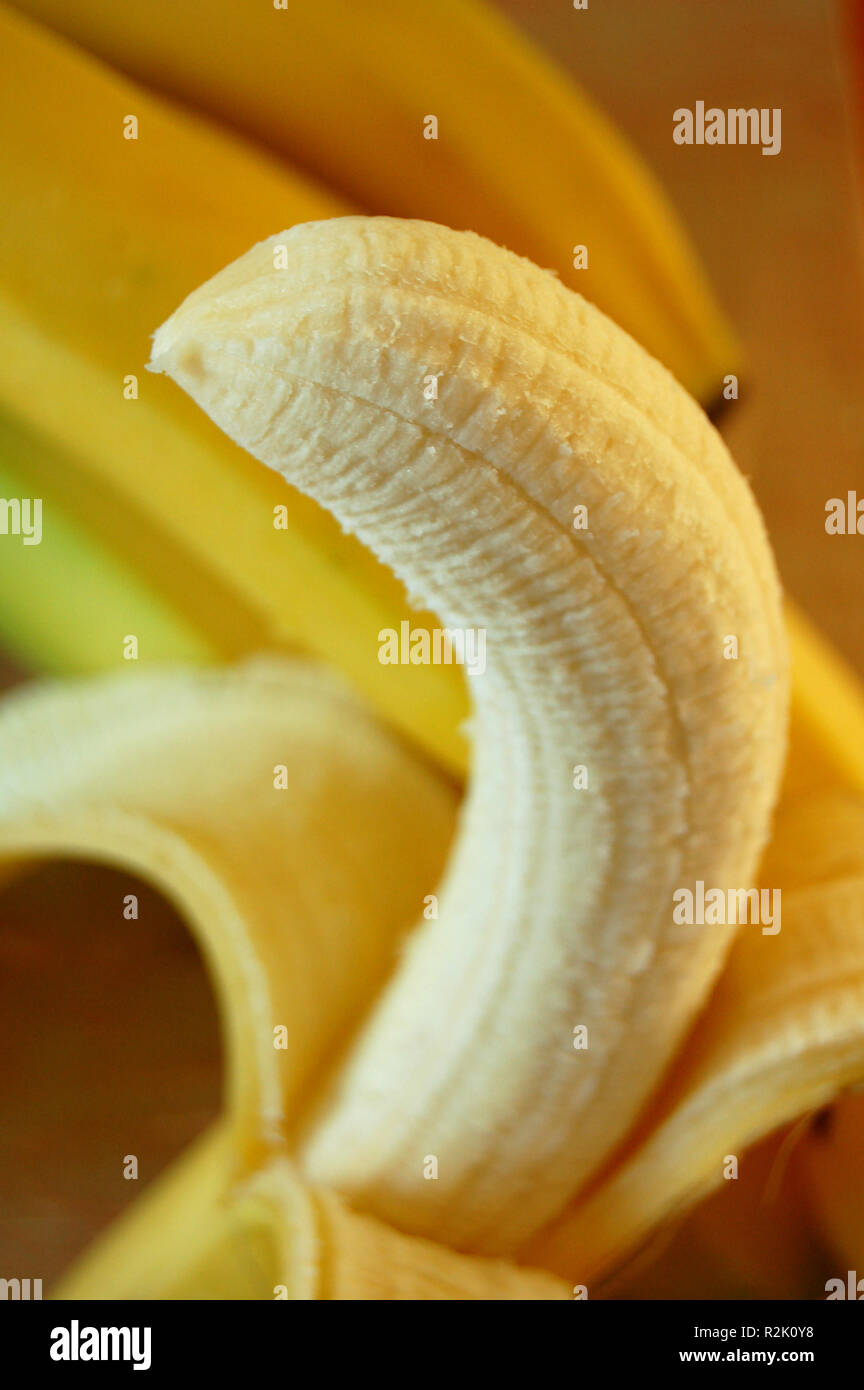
(753, 1238)
(816, 854)
(195, 1236)
(271, 880)
(782, 1035)
(521, 154)
(201, 813)
(283, 890)
(826, 714)
(767, 1009)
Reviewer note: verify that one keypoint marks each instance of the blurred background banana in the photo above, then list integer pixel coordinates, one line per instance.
(518, 152)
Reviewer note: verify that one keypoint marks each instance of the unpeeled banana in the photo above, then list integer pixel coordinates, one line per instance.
(562, 494)
(448, 114)
(83, 279)
(71, 603)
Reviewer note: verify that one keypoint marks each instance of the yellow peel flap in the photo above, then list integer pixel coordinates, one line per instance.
(193, 1236)
(782, 1034)
(247, 796)
(173, 774)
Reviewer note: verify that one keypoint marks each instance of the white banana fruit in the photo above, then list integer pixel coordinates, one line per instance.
(607, 648)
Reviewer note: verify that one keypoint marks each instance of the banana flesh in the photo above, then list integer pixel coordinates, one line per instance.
(605, 649)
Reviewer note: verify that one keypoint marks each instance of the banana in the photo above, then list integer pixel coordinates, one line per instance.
(826, 715)
(82, 281)
(607, 650)
(171, 774)
(69, 603)
(521, 154)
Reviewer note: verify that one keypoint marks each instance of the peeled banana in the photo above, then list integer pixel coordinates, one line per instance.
(607, 650)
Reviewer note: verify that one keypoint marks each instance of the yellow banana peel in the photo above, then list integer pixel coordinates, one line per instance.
(827, 714)
(810, 999)
(193, 1236)
(283, 890)
(783, 1034)
(203, 811)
